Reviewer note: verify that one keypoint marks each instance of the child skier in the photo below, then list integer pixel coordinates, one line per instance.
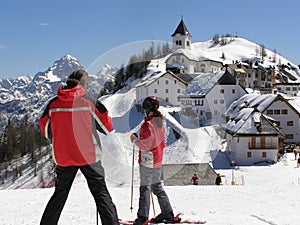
(151, 143)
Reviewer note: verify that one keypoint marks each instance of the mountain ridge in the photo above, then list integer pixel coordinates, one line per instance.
(29, 94)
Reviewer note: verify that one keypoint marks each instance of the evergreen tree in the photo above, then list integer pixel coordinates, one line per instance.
(23, 147)
(9, 141)
(263, 52)
(158, 52)
(216, 39)
(166, 49)
(120, 78)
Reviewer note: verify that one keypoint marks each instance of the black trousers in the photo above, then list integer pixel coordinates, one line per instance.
(94, 175)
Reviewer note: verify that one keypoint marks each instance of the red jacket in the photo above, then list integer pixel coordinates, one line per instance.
(151, 142)
(70, 121)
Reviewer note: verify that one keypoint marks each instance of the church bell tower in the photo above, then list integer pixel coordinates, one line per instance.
(181, 38)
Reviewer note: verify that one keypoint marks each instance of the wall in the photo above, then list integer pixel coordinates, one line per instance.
(239, 146)
(181, 174)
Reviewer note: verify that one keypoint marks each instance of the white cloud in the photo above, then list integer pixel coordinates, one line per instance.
(2, 46)
(44, 24)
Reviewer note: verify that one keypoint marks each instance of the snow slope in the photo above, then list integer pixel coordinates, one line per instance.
(268, 196)
(265, 194)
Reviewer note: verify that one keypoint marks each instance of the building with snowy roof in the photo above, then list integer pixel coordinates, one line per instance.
(183, 60)
(259, 125)
(166, 86)
(284, 79)
(284, 109)
(209, 95)
(252, 137)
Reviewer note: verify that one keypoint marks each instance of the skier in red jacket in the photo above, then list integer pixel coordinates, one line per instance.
(195, 179)
(71, 121)
(151, 143)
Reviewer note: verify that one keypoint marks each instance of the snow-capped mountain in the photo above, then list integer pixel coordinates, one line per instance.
(28, 95)
(243, 50)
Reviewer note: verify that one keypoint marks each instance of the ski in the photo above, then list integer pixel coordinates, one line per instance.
(130, 222)
(177, 220)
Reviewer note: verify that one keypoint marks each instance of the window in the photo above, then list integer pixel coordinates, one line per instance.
(290, 123)
(270, 112)
(284, 111)
(155, 91)
(222, 101)
(199, 102)
(288, 89)
(249, 154)
(289, 136)
(158, 82)
(167, 90)
(215, 112)
(264, 154)
(215, 101)
(233, 91)
(276, 111)
(178, 90)
(167, 82)
(262, 142)
(188, 43)
(253, 142)
(175, 81)
(167, 99)
(222, 91)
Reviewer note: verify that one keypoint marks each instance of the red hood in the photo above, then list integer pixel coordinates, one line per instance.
(69, 94)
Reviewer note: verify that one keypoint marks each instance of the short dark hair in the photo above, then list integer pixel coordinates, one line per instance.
(77, 77)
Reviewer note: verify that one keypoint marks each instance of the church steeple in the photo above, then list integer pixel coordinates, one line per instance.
(181, 37)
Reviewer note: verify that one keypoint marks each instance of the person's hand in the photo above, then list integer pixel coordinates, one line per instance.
(133, 137)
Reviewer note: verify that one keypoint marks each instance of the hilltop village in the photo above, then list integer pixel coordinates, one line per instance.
(256, 98)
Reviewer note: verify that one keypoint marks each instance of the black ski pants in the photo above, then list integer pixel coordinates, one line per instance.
(94, 175)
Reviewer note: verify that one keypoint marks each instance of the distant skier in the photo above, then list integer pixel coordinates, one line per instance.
(295, 153)
(70, 121)
(195, 179)
(218, 179)
(151, 143)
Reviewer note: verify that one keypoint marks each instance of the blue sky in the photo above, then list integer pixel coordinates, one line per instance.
(35, 33)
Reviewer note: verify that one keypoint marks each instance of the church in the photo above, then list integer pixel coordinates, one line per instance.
(183, 60)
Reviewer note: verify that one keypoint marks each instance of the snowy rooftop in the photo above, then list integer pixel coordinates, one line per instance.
(253, 100)
(202, 84)
(246, 112)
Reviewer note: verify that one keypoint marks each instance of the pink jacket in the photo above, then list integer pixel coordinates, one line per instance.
(151, 142)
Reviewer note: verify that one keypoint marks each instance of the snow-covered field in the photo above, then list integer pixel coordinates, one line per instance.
(265, 194)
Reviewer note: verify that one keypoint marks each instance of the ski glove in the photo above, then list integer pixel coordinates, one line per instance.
(133, 137)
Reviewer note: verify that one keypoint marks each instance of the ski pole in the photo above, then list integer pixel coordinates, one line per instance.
(151, 195)
(97, 216)
(132, 177)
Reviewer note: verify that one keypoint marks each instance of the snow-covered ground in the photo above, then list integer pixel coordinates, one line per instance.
(263, 194)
